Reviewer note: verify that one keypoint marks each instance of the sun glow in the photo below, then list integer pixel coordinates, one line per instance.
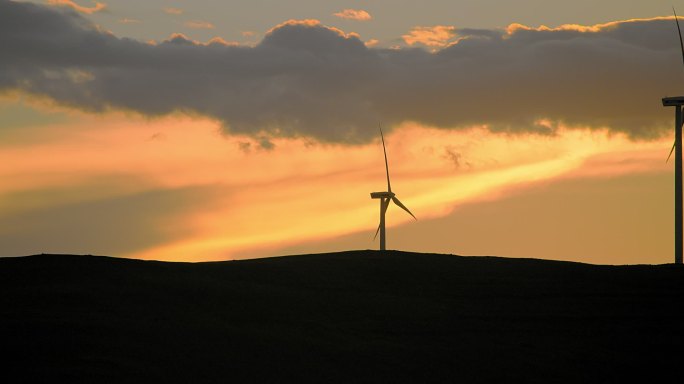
(299, 191)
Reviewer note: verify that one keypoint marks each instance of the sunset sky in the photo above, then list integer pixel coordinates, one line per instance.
(217, 130)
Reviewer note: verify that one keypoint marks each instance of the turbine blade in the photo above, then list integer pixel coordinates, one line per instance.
(389, 187)
(671, 150)
(402, 206)
(385, 205)
(681, 43)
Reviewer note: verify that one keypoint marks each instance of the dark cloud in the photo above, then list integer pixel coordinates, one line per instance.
(307, 80)
(454, 156)
(110, 225)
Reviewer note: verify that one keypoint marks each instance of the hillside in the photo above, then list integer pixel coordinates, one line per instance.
(360, 316)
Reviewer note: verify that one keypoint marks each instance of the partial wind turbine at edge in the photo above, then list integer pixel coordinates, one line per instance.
(681, 45)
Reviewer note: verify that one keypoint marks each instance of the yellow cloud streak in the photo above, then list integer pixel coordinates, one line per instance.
(71, 4)
(310, 207)
(301, 191)
(512, 28)
(199, 24)
(173, 11)
(354, 14)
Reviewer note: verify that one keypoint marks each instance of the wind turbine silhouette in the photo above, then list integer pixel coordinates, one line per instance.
(385, 198)
(677, 102)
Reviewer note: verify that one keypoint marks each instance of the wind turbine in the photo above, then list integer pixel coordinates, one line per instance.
(677, 102)
(385, 198)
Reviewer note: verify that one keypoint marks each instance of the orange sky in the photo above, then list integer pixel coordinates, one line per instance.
(503, 139)
(302, 192)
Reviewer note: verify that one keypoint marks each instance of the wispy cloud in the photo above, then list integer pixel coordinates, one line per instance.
(97, 7)
(173, 11)
(129, 21)
(354, 14)
(436, 36)
(199, 24)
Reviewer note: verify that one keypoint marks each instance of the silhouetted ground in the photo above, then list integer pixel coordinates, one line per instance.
(357, 316)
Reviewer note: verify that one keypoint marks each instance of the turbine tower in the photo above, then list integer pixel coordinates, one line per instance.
(677, 102)
(385, 198)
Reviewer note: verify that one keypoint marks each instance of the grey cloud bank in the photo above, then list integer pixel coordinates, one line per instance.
(307, 80)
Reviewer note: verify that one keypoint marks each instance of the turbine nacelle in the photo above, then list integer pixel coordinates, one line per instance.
(673, 101)
(382, 195)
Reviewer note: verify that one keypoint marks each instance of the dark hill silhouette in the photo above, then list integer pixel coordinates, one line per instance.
(361, 316)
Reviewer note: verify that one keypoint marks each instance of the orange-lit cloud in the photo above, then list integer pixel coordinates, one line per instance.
(436, 36)
(514, 27)
(199, 24)
(129, 21)
(372, 42)
(173, 11)
(179, 38)
(312, 24)
(97, 7)
(221, 41)
(296, 22)
(354, 14)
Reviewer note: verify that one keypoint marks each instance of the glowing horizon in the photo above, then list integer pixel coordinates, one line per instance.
(301, 191)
